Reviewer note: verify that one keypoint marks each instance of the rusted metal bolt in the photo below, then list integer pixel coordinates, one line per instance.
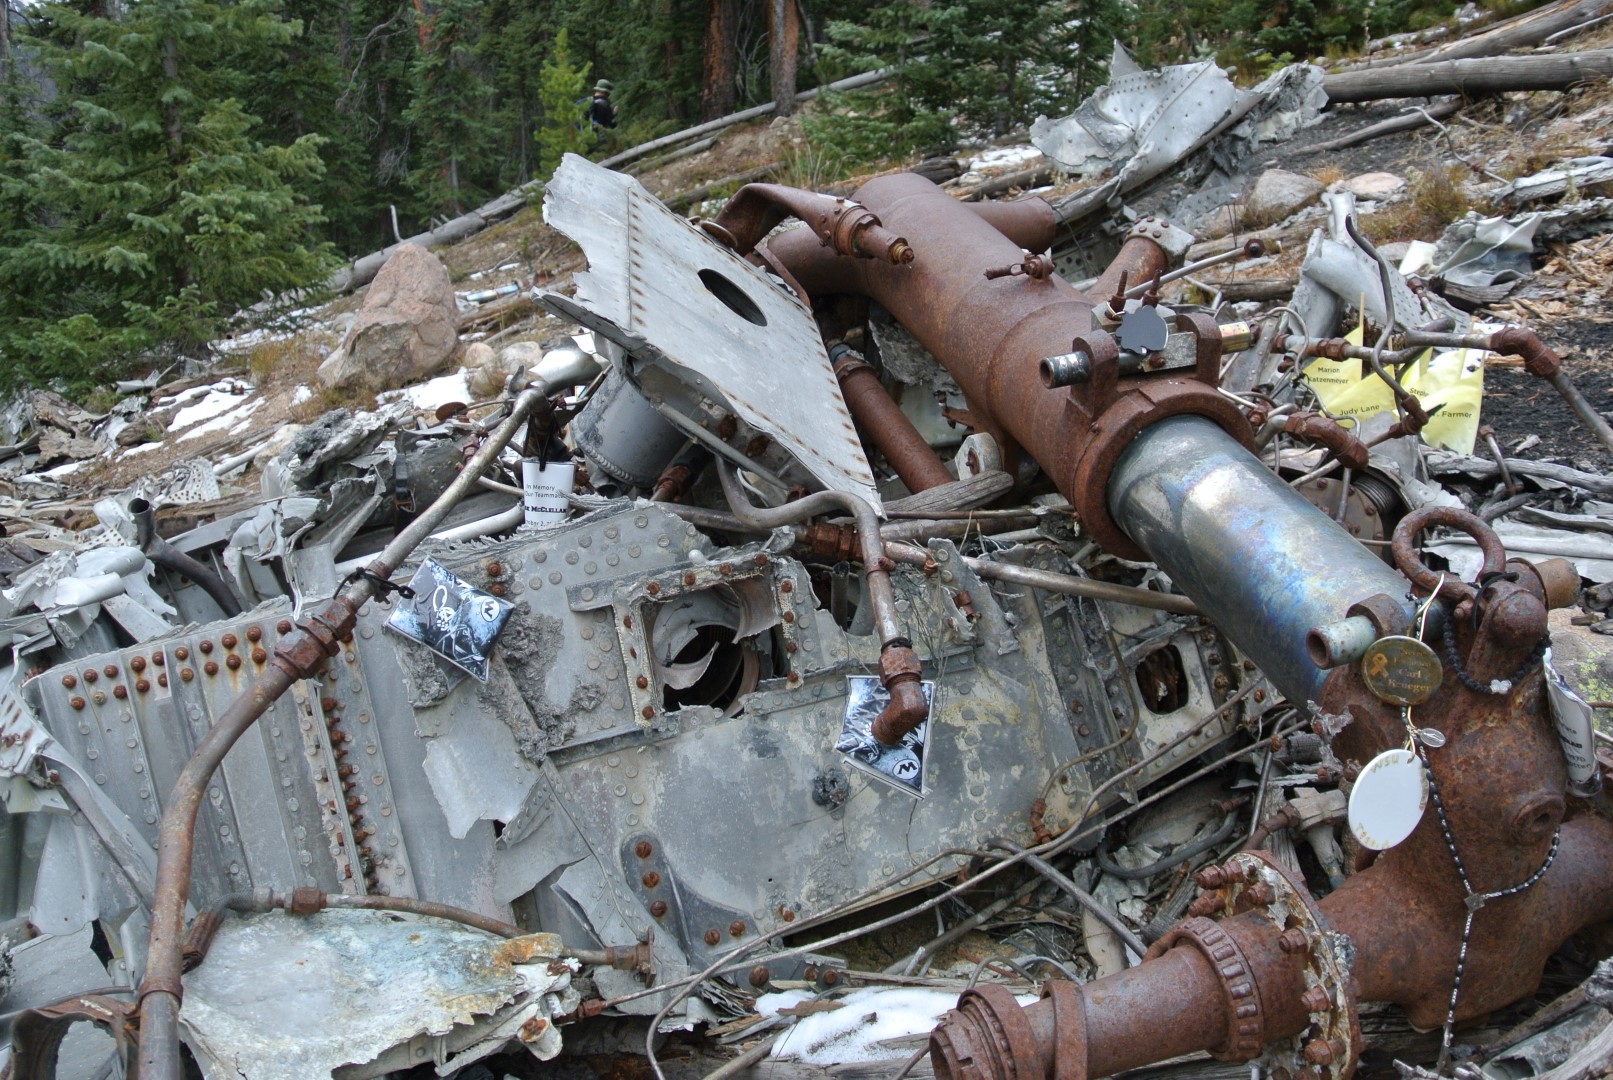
(137, 664)
(1214, 659)
(495, 569)
(1083, 730)
(259, 656)
(110, 671)
(1248, 665)
(498, 588)
(1315, 1000)
(337, 735)
(120, 691)
(1220, 682)
(232, 661)
(658, 908)
(69, 680)
(736, 928)
(1211, 877)
(792, 678)
(228, 641)
(1261, 894)
(830, 977)
(643, 849)
(90, 675)
(726, 568)
(761, 559)
(142, 685)
(159, 658)
(210, 668)
(1293, 940)
(1207, 904)
(1318, 1052)
(77, 702)
(788, 616)
(648, 712)
(786, 914)
(182, 653)
(329, 704)
(653, 588)
(651, 879)
(1260, 694)
(760, 976)
(712, 936)
(1077, 707)
(642, 682)
(688, 577)
(786, 587)
(186, 674)
(206, 645)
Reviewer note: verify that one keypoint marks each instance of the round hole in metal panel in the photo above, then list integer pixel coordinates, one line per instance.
(732, 297)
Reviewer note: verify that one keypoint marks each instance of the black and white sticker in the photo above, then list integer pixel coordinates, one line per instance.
(901, 766)
(451, 617)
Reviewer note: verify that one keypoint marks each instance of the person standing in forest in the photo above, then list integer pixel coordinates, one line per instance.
(601, 113)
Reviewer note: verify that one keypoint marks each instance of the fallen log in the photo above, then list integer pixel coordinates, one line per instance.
(1412, 119)
(1520, 31)
(704, 191)
(633, 153)
(1023, 179)
(642, 167)
(1234, 290)
(1470, 77)
(362, 271)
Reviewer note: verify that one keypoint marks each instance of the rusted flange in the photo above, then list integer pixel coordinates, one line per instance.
(1069, 1029)
(987, 1035)
(1255, 881)
(1246, 1028)
(1112, 432)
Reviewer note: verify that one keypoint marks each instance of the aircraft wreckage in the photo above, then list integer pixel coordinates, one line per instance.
(773, 660)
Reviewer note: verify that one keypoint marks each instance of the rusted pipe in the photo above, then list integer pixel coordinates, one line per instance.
(297, 655)
(1539, 360)
(992, 336)
(1330, 435)
(169, 557)
(1065, 584)
(847, 227)
(899, 669)
(884, 422)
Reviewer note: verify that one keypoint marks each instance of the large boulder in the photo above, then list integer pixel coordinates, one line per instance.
(407, 331)
(1277, 194)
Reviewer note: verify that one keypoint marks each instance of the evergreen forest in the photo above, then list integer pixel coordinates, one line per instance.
(165, 163)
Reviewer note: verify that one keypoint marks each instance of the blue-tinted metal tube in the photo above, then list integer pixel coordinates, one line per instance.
(1262, 563)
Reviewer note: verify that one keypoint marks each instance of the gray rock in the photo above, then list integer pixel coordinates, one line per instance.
(407, 331)
(1278, 193)
(1374, 185)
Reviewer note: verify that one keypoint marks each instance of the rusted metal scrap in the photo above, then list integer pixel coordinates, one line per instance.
(776, 587)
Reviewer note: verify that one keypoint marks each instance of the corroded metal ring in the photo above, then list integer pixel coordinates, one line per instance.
(1424, 579)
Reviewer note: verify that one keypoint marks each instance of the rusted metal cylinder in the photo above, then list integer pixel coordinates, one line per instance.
(1238, 540)
(884, 422)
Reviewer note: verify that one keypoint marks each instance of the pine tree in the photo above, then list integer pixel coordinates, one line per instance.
(563, 86)
(151, 209)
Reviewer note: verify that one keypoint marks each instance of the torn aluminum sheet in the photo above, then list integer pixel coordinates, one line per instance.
(674, 299)
(368, 992)
(1144, 122)
(1590, 549)
(1337, 274)
(1487, 251)
(1574, 174)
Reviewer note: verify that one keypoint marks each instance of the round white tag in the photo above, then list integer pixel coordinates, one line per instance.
(1388, 799)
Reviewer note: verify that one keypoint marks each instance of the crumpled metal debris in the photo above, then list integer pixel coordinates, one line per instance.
(369, 993)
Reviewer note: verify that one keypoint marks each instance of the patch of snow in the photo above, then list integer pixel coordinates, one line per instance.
(871, 1016)
(140, 448)
(433, 392)
(301, 394)
(1003, 156)
(230, 420)
(62, 470)
(219, 398)
(770, 1004)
